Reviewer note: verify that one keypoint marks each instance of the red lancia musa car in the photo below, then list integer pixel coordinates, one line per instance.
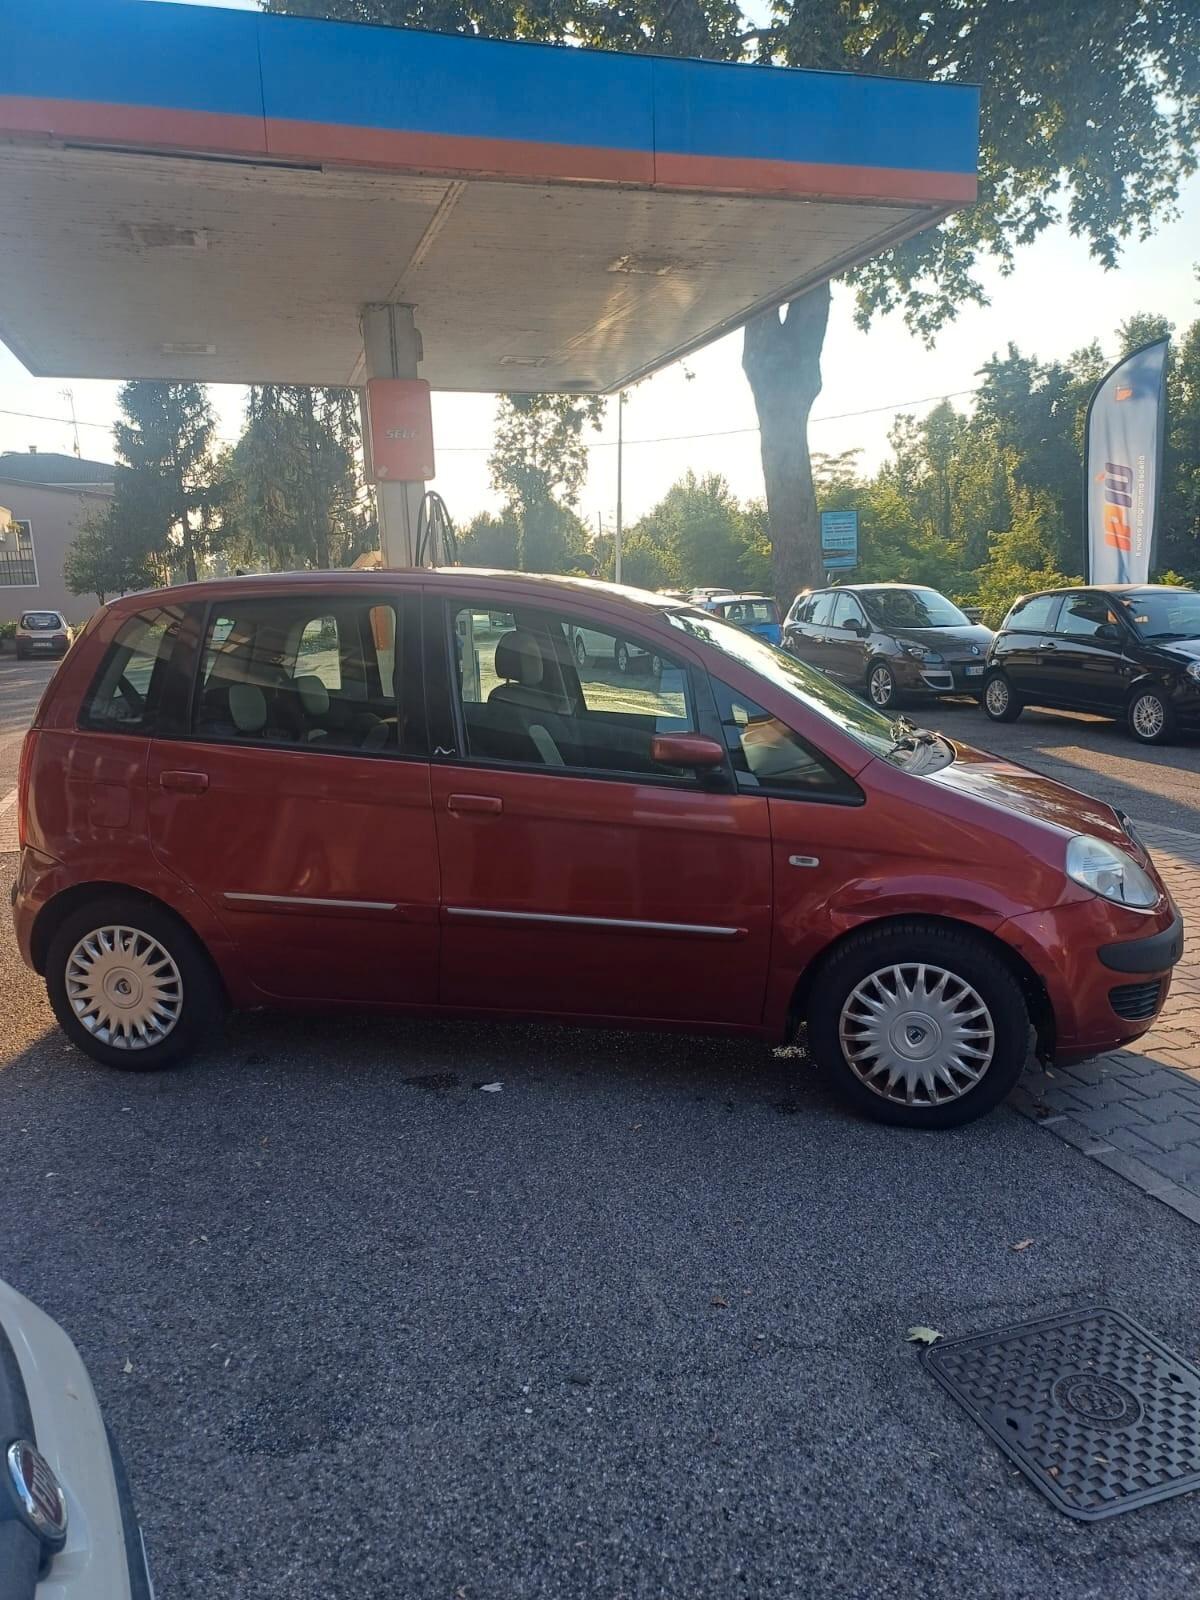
(404, 790)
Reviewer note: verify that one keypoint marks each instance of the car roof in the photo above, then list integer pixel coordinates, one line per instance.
(725, 599)
(1111, 588)
(511, 585)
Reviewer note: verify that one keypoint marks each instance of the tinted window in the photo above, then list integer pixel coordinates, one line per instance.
(546, 690)
(746, 611)
(767, 754)
(304, 672)
(1083, 615)
(1164, 613)
(846, 609)
(913, 608)
(801, 606)
(822, 607)
(41, 619)
(1034, 615)
(126, 694)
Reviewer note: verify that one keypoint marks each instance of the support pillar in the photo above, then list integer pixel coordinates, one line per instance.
(392, 349)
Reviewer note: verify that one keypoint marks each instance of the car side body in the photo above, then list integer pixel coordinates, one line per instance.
(1109, 650)
(368, 789)
(871, 638)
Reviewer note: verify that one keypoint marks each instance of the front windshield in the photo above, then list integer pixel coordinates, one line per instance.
(1164, 614)
(805, 684)
(911, 608)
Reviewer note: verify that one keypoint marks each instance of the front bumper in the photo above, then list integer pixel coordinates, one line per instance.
(103, 1557)
(948, 677)
(1076, 949)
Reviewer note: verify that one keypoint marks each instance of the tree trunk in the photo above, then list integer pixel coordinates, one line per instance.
(189, 547)
(782, 360)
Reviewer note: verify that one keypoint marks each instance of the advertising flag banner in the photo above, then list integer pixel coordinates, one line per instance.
(1122, 463)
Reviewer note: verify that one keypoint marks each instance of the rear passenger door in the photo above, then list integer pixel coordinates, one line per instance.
(810, 639)
(580, 877)
(296, 801)
(1025, 647)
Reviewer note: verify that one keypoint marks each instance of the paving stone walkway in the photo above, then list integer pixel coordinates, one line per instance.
(1137, 1111)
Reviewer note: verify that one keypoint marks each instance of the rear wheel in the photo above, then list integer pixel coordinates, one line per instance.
(621, 656)
(656, 666)
(581, 654)
(999, 701)
(130, 985)
(1149, 716)
(919, 1024)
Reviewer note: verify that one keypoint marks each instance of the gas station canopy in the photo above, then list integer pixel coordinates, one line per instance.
(214, 194)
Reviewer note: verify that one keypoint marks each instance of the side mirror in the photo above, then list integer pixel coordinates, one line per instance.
(686, 750)
(1108, 630)
(852, 625)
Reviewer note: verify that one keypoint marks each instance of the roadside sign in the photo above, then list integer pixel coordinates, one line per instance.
(839, 539)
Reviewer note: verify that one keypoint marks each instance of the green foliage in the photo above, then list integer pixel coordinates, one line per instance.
(538, 463)
(8, 630)
(291, 494)
(164, 502)
(490, 542)
(1021, 559)
(108, 556)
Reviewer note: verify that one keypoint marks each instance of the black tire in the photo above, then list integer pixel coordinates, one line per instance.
(881, 686)
(621, 656)
(656, 666)
(967, 958)
(1000, 702)
(1149, 717)
(201, 998)
(581, 655)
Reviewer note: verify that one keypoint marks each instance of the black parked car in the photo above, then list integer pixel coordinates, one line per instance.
(1130, 651)
(890, 640)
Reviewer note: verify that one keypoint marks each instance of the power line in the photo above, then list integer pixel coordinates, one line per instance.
(601, 444)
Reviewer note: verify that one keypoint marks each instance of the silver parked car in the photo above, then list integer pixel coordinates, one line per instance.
(67, 1525)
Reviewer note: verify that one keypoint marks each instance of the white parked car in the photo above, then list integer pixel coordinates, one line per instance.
(67, 1525)
(603, 650)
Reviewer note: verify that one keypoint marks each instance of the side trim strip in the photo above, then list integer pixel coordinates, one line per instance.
(312, 900)
(702, 930)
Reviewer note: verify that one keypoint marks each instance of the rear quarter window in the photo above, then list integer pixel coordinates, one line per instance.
(126, 694)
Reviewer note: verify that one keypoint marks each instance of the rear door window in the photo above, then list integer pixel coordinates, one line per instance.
(1035, 615)
(311, 671)
(127, 692)
(822, 608)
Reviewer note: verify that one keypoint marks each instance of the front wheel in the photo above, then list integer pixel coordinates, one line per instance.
(999, 701)
(881, 687)
(1149, 717)
(621, 655)
(918, 1024)
(130, 985)
(581, 655)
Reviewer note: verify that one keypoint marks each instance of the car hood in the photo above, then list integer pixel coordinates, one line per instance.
(1015, 789)
(949, 641)
(1179, 649)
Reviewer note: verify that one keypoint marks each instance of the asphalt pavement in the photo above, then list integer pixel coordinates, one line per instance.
(632, 1325)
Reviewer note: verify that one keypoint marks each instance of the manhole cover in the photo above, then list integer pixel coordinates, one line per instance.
(1097, 1412)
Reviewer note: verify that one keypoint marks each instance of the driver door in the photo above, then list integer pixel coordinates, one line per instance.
(846, 650)
(579, 878)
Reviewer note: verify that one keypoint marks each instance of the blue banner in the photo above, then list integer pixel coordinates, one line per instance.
(1122, 463)
(839, 539)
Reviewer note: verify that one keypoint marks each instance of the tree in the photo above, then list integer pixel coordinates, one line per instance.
(490, 542)
(1089, 114)
(106, 557)
(538, 463)
(163, 502)
(292, 490)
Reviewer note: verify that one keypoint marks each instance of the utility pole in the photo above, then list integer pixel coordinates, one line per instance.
(69, 396)
(620, 484)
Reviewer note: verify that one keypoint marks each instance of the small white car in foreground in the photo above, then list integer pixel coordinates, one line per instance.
(67, 1525)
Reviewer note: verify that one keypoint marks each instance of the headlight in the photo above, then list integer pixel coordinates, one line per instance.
(1109, 872)
(921, 652)
(1193, 671)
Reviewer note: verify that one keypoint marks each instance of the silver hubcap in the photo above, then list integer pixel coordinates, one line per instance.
(1148, 716)
(124, 988)
(917, 1034)
(881, 686)
(997, 695)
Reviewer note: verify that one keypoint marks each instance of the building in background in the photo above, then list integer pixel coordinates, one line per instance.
(47, 497)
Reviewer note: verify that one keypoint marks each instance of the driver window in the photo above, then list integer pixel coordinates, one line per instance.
(846, 610)
(547, 690)
(1084, 615)
(767, 754)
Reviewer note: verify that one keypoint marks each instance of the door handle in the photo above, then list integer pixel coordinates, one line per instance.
(184, 782)
(1050, 646)
(487, 804)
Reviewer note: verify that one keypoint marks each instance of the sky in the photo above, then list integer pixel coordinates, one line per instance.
(1056, 300)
